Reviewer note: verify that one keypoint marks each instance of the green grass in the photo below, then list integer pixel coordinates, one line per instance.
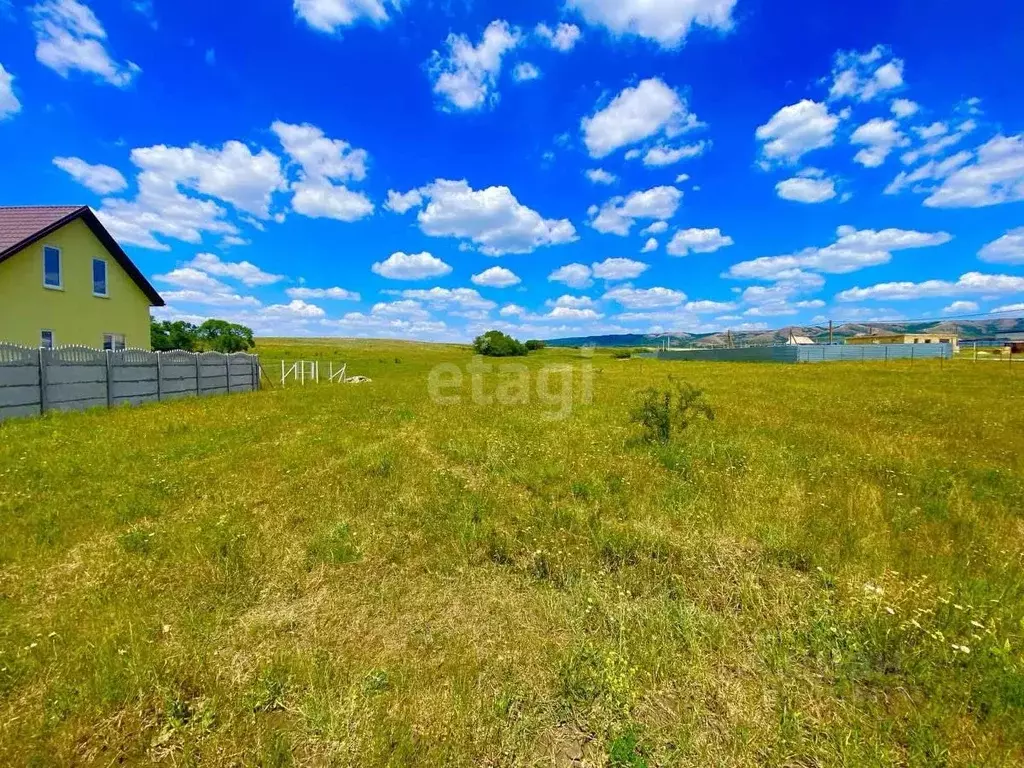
(829, 573)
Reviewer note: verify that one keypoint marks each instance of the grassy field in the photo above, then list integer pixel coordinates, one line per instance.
(829, 573)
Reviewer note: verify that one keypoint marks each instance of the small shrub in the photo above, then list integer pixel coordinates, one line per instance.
(624, 752)
(335, 547)
(673, 409)
(534, 344)
(137, 542)
(269, 692)
(498, 344)
(622, 354)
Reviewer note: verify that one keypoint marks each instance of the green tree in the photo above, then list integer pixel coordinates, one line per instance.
(534, 344)
(167, 335)
(222, 336)
(498, 344)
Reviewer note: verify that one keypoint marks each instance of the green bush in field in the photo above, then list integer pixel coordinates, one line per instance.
(334, 547)
(213, 335)
(622, 354)
(533, 345)
(673, 409)
(498, 344)
(222, 336)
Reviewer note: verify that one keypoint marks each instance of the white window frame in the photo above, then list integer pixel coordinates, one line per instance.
(60, 269)
(113, 342)
(106, 278)
(53, 338)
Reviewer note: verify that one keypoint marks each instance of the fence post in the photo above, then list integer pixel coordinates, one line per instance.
(198, 392)
(227, 373)
(110, 383)
(159, 376)
(911, 355)
(44, 404)
(282, 373)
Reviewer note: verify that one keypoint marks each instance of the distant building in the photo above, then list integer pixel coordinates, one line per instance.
(1013, 341)
(795, 340)
(907, 338)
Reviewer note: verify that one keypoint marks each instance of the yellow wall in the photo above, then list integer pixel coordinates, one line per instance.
(905, 338)
(73, 314)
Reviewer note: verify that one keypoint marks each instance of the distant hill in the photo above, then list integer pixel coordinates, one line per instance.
(966, 330)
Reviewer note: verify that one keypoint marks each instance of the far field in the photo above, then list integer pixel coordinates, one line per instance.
(829, 573)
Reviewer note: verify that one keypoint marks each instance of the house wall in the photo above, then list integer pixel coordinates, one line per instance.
(906, 338)
(73, 313)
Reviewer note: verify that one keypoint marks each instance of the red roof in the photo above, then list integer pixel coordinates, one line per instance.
(20, 226)
(20, 223)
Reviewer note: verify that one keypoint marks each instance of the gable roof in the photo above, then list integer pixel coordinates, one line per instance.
(21, 226)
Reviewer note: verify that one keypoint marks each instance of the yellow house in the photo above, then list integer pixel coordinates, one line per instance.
(65, 280)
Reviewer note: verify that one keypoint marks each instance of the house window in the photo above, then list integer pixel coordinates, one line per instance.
(46, 339)
(52, 277)
(99, 277)
(113, 341)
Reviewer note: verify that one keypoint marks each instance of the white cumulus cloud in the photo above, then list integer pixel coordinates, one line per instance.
(649, 109)
(879, 138)
(689, 241)
(496, 277)
(863, 76)
(601, 176)
(666, 22)
(645, 298)
(995, 175)
(331, 15)
(563, 38)
(69, 37)
(795, 130)
(904, 108)
(101, 179)
(809, 186)
(9, 104)
(245, 272)
(524, 72)
(853, 250)
(410, 266)
(618, 269)
(573, 275)
(466, 75)
(968, 284)
(324, 162)
(618, 215)
(492, 219)
(1008, 249)
(659, 156)
(337, 294)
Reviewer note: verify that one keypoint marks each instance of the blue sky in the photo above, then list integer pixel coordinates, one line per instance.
(426, 169)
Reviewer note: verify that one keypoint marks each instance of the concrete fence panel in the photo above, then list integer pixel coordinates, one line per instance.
(19, 381)
(34, 381)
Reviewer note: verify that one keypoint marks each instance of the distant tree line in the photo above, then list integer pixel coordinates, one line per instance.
(498, 344)
(211, 336)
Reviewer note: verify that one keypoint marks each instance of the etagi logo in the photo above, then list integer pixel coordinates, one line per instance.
(555, 386)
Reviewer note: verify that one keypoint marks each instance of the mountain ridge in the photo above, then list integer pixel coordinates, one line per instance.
(965, 329)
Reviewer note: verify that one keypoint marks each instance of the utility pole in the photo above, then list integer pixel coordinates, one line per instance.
(830, 332)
